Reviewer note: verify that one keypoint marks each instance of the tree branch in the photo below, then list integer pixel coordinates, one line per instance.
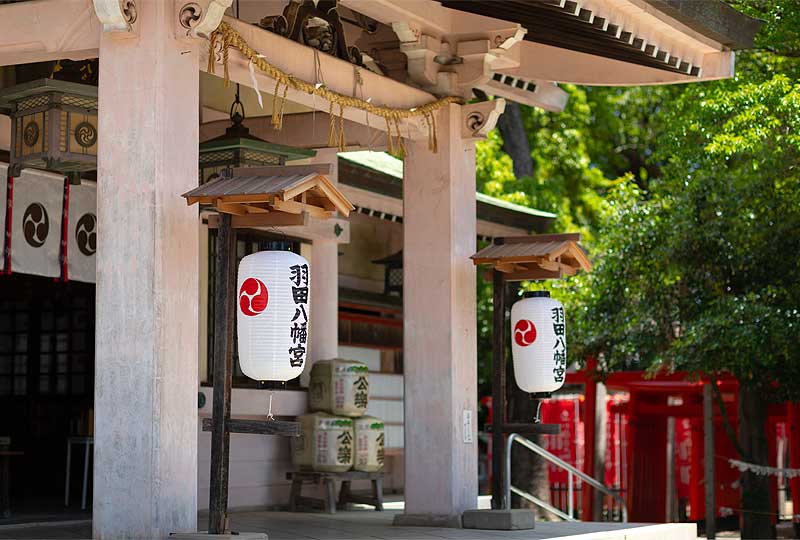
(726, 423)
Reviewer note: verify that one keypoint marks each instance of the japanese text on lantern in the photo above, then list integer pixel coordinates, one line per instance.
(299, 329)
(560, 348)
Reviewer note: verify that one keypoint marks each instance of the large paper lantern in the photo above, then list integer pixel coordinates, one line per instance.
(273, 315)
(539, 343)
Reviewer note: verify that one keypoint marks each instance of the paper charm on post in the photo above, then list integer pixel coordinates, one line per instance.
(539, 343)
(273, 315)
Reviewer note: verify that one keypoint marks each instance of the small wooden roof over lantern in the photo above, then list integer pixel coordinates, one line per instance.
(540, 256)
(267, 196)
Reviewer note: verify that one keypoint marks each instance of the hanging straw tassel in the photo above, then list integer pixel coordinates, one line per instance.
(429, 125)
(283, 105)
(275, 120)
(332, 127)
(434, 144)
(390, 148)
(211, 56)
(341, 128)
(226, 75)
(401, 151)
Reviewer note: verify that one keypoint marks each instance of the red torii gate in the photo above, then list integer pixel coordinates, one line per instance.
(647, 411)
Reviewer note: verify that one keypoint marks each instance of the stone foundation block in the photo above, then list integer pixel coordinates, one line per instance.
(501, 520)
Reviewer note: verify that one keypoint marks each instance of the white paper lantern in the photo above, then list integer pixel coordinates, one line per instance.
(539, 343)
(274, 291)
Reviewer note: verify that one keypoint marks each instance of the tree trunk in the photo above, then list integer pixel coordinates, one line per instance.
(515, 140)
(756, 499)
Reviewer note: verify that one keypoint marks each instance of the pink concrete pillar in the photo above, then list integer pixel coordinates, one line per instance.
(439, 342)
(145, 474)
(324, 333)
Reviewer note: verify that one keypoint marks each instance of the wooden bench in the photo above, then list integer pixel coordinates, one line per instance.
(328, 503)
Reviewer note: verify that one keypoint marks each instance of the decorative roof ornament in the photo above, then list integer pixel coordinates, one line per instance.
(116, 15)
(202, 18)
(314, 24)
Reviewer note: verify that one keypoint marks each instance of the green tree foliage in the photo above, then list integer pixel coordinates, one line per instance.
(700, 270)
(689, 200)
(604, 136)
(565, 180)
(697, 269)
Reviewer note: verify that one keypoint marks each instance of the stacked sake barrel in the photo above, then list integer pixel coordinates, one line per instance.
(337, 436)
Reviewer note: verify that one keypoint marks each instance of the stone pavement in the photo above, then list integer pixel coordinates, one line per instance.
(368, 524)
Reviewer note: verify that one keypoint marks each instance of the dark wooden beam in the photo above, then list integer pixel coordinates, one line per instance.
(526, 429)
(535, 274)
(223, 369)
(259, 427)
(261, 220)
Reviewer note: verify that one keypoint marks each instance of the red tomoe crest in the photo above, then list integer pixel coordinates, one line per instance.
(524, 332)
(253, 297)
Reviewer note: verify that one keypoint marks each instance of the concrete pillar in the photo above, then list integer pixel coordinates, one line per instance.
(324, 333)
(145, 473)
(439, 341)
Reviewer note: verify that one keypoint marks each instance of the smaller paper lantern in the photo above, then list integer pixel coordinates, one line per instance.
(274, 290)
(539, 343)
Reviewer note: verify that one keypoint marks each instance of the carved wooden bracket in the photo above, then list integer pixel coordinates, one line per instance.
(478, 119)
(116, 15)
(456, 64)
(200, 18)
(315, 23)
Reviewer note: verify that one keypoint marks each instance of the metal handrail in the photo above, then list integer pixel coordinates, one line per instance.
(555, 460)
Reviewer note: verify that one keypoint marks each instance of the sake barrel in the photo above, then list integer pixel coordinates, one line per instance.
(369, 444)
(325, 443)
(339, 387)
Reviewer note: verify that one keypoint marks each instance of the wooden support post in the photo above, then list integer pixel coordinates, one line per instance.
(708, 447)
(223, 368)
(794, 461)
(498, 389)
(589, 437)
(600, 443)
(670, 509)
